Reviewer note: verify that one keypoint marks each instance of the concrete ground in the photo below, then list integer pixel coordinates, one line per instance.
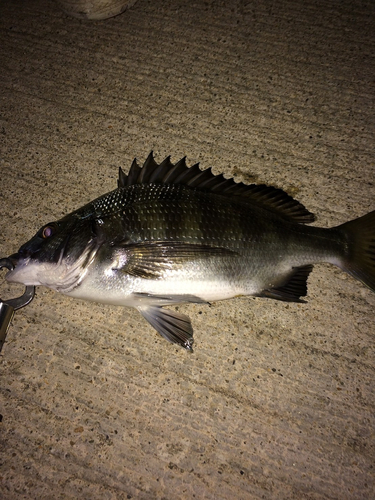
(278, 399)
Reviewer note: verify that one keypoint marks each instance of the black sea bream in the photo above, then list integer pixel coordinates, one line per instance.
(170, 234)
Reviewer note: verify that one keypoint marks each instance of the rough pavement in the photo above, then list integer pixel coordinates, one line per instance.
(277, 401)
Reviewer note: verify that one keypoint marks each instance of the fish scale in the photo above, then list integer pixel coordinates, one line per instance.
(171, 234)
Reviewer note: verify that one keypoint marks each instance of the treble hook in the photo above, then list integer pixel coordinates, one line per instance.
(7, 307)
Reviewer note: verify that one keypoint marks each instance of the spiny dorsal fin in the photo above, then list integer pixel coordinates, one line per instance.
(122, 178)
(267, 197)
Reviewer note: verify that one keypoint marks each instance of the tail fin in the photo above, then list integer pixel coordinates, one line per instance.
(360, 256)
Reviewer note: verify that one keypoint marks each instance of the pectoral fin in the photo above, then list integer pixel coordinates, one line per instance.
(172, 325)
(151, 259)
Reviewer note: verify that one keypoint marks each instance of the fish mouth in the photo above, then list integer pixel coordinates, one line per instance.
(62, 276)
(10, 262)
(16, 272)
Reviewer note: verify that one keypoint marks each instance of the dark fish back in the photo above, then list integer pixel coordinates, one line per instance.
(157, 212)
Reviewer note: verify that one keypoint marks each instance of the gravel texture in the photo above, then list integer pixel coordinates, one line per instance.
(277, 401)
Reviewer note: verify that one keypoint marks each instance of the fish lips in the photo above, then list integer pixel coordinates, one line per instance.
(9, 263)
(12, 263)
(25, 268)
(21, 271)
(14, 258)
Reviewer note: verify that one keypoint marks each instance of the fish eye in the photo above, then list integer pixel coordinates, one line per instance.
(47, 232)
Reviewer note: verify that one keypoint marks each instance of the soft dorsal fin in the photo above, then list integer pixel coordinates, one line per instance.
(267, 197)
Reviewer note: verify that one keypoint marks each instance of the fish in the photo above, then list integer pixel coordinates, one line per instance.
(172, 234)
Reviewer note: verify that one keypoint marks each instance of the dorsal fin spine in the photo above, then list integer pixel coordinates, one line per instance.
(122, 178)
(267, 197)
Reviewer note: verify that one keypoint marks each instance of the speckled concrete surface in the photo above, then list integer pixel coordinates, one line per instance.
(277, 400)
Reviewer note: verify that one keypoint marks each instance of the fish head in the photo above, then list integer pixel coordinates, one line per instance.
(57, 256)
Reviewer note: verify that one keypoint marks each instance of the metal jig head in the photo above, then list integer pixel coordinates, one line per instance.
(7, 307)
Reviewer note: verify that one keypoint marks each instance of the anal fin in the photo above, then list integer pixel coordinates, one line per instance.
(293, 289)
(172, 325)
